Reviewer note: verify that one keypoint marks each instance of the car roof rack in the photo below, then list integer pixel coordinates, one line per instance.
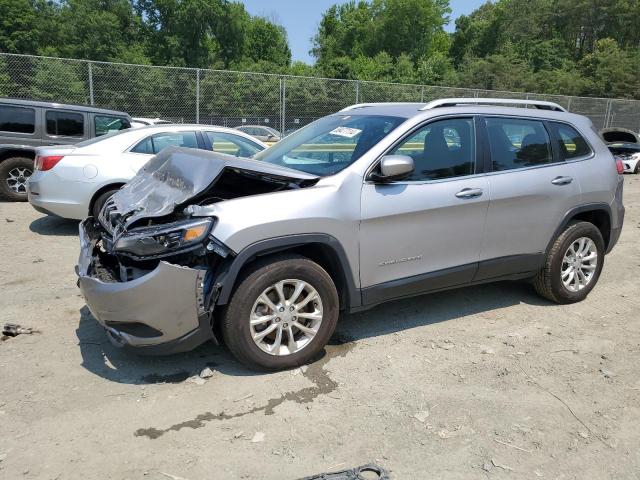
(377, 104)
(452, 102)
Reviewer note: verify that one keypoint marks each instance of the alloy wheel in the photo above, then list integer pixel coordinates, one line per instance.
(579, 264)
(17, 179)
(286, 317)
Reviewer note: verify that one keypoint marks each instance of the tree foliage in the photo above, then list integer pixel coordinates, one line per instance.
(572, 47)
(577, 47)
(191, 33)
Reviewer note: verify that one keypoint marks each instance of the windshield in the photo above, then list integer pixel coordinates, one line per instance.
(330, 144)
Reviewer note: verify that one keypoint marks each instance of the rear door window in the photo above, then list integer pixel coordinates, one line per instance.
(160, 141)
(64, 124)
(230, 144)
(517, 143)
(106, 124)
(17, 119)
(570, 143)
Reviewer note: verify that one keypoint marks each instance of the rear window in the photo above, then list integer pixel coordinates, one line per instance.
(17, 119)
(64, 124)
(570, 143)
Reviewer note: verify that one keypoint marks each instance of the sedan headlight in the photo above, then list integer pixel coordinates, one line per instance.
(164, 239)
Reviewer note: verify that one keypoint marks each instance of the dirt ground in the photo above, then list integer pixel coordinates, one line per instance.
(481, 382)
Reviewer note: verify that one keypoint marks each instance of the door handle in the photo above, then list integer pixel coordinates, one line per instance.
(469, 193)
(562, 180)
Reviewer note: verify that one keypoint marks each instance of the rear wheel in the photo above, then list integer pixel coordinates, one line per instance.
(282, 314)
(14, 173)
(99, 202)
(573, 264)
(637, 167)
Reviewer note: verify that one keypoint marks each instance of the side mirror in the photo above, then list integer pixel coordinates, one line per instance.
(271, 136)
(393, 167)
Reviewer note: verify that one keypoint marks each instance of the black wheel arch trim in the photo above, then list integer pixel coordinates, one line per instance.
(588, 207)
(227, 278)
(9, 151)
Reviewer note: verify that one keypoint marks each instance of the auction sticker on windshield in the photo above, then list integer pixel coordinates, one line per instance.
(345, 132)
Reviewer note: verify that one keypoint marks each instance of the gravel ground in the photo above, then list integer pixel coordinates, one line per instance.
(481, 382)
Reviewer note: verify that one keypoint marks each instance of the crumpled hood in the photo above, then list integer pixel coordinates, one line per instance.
(177, 174)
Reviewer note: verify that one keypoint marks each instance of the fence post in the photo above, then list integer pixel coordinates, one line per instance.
(90, 84)
(357, 91)
(607, 115)
(283, 104)
(197, 95)
(422, 94)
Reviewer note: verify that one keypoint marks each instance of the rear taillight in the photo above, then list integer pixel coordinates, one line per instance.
(619, 165)
(47, 162)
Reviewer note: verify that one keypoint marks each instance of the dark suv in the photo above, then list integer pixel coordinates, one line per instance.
(26, 124)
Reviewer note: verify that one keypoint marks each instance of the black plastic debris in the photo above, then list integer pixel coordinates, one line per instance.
(13, 330)
(366, 472)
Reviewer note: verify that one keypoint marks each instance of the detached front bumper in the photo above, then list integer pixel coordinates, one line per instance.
(158, 313)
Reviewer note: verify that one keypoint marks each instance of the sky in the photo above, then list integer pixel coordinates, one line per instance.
(301, 18)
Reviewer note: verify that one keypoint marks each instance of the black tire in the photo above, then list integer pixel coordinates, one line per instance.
(99, 202)
(260, 276)
(8, 170)
(548, 282)
(636, 170)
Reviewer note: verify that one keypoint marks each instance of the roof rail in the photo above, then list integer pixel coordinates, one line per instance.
(363, 105)
(451, 102)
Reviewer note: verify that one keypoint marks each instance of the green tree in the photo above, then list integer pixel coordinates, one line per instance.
(613, 71)
(59, 82)
(6, 85)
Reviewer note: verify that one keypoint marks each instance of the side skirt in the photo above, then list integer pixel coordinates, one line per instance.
(514, 267)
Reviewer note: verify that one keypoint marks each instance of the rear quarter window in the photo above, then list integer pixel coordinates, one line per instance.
(17, 119)
(105, 124)
(570, 143)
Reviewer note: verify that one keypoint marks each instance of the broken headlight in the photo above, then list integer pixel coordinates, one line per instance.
(164, 239)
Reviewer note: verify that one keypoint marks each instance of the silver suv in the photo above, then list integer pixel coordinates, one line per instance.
(374, 203)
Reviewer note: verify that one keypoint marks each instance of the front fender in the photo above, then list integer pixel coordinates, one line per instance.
(227, 279)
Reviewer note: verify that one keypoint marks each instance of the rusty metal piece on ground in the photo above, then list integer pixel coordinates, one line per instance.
(365, 472)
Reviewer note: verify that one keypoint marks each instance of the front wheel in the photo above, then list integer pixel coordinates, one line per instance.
(573, 264)
(282, 313)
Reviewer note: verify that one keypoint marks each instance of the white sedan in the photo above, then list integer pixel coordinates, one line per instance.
(74, 181)
(629, 154)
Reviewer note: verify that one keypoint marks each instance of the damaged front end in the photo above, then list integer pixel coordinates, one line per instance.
(149, 269)
(155, 304)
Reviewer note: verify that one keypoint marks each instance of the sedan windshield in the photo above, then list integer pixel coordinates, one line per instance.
(330, 144)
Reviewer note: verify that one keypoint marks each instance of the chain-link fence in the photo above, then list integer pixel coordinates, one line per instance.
(284, 102)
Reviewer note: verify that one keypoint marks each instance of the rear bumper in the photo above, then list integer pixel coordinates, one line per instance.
(160, 312)
(45, 202)
(617, 214)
